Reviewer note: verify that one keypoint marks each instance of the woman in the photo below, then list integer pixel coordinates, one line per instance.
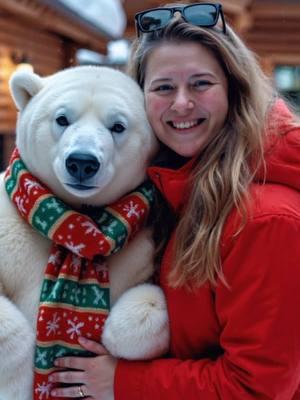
(230, 170)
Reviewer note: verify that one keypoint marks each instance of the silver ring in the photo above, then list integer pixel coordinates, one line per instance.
(81, 394)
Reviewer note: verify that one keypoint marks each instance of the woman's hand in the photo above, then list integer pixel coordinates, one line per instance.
(93, 378)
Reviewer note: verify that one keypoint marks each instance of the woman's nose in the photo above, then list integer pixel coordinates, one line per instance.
(182, 101)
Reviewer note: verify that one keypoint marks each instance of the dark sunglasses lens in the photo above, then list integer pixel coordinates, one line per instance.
(152, 20)
(201, 15)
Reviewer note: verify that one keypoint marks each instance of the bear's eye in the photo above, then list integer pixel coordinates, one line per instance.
(118, 128)
(62, 121)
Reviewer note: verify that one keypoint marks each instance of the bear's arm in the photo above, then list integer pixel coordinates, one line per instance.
(133, 265)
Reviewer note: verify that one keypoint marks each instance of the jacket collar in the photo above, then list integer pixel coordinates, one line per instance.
(174, 184)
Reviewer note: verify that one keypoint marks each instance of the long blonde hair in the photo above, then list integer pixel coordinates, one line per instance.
(227, 165)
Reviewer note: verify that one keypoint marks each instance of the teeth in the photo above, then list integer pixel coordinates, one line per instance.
(185, 125)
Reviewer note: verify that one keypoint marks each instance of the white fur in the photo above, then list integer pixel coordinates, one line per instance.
(93, 99)
(148, 310)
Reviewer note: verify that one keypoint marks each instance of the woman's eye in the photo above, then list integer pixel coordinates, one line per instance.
(201, 84)
(117, 128)
(62, 121)
(163, 88)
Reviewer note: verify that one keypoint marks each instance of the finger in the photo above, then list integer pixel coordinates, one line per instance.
(71, 362)
(70, 392)
(92, 346)
(67, 377)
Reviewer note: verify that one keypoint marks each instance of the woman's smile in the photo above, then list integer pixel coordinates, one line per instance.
(185, 125)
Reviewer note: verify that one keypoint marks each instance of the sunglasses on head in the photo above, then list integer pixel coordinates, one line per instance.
(199, 14)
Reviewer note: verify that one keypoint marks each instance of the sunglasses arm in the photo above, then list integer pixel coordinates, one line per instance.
(223, 21)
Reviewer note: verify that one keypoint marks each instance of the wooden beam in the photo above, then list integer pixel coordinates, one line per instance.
(285, 59)
(278, 25)
(270, 48)
(43, 17)
(267, 10)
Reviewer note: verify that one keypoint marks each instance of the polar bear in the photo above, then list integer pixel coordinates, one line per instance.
(106, 122)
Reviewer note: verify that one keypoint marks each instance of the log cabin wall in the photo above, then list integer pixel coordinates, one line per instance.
(33, 32)
(274, 32)
(23, 43)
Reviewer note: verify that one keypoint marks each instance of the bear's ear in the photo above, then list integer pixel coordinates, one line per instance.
(23, 86)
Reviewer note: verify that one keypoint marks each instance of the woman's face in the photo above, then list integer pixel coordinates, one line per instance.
(186, 95)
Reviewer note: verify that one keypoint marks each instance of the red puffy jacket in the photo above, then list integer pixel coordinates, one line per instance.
(242, 342)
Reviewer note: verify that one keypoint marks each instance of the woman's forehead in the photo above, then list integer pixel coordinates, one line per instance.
(172, 60)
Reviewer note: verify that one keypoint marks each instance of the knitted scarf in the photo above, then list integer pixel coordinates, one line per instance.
(74, 298)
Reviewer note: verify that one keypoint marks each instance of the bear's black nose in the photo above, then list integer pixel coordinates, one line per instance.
(82, 166)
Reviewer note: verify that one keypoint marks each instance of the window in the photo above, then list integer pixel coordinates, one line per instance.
(287, 80)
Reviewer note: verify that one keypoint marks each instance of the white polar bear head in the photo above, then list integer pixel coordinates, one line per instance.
(83, 132)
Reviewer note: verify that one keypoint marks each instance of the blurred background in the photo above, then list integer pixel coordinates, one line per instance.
(48, 35)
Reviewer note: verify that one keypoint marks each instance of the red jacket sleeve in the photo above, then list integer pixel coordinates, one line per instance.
(260, 327)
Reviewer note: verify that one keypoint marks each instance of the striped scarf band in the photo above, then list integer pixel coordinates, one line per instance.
(74, 298)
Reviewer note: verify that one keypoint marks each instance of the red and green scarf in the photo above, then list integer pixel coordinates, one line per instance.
(74, 298)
